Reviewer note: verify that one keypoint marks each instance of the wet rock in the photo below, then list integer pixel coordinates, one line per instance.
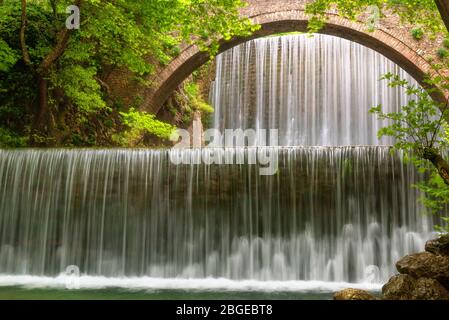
(354, 294)
(399, 287)
(405, 287)
(426, 265)
(439, 246)
(429, 289)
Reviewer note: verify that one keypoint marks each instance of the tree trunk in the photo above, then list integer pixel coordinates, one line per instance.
(42, 120)
(439, 163)
(42, 117)
(59, 48)
(443, 6)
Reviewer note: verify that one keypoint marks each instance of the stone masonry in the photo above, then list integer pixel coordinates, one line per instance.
(391, 38)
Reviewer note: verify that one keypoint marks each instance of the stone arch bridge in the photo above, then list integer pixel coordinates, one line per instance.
(391, 38)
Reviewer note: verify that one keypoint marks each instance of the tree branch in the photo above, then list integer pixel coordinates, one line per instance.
(440, 124)
(439, 163)
(58, 50)
(104, 85)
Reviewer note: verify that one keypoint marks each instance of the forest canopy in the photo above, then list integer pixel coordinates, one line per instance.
(420, 13)
(52, 88)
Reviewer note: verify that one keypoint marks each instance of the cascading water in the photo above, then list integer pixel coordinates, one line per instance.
(329, 214)
(316, 91)
(334, 213)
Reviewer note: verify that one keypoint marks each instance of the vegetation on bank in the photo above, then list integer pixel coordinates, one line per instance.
(52, 80)
(191, 97)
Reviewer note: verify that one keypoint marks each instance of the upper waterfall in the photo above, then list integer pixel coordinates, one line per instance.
(314, 90)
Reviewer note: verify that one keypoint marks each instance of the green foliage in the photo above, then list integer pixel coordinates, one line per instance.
(81, 87)
(437, 193)
(9, 139)
(194, 96)
(443, 53)
(18, 87)
(421, 126)
(138, 124)
(8, 56)
(134, 35)
(445, 228)
(188, 99)
(446, 43)
(436, 198)
(316, 23)
(417, 12)
(417, 33)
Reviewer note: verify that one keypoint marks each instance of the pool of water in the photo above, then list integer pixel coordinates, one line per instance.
(100, 288)
(20, 293)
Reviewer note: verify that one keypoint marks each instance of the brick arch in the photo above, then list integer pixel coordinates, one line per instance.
(391, 42)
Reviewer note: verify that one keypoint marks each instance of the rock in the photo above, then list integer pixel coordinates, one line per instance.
(426, 265)
(405, 287)
(354, 294)
(399, 287)
(430, 289)
(439, 246)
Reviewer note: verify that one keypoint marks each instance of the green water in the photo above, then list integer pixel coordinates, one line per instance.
(21, 293)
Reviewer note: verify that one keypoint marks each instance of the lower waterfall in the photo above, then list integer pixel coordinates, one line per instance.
(338, 214)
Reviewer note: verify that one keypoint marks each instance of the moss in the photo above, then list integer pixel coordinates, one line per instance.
(417, 33)
(443, 53)
(446, 43)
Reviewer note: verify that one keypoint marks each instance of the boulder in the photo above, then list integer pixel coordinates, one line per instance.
(426, 265)
(429, 289)
(439, 246)
(354, 294)
(399, 287)
(405, 287)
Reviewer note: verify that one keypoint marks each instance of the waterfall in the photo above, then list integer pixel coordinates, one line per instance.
(316, 90)
(329, 214)
(340, 207)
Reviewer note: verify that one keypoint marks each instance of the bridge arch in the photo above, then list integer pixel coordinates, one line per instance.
(387, 41)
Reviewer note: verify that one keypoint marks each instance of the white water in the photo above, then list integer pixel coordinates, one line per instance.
(206, 284)
(317, 91)
(131, 219)
(329, 214)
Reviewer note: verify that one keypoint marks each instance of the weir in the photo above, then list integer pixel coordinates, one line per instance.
(334, 211)
(330, 214)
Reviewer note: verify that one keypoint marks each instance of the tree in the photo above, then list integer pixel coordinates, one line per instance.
(421, 127)
(421, 130)
(417, 12)
(60, 73)
(42, 69)
(443, 7)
